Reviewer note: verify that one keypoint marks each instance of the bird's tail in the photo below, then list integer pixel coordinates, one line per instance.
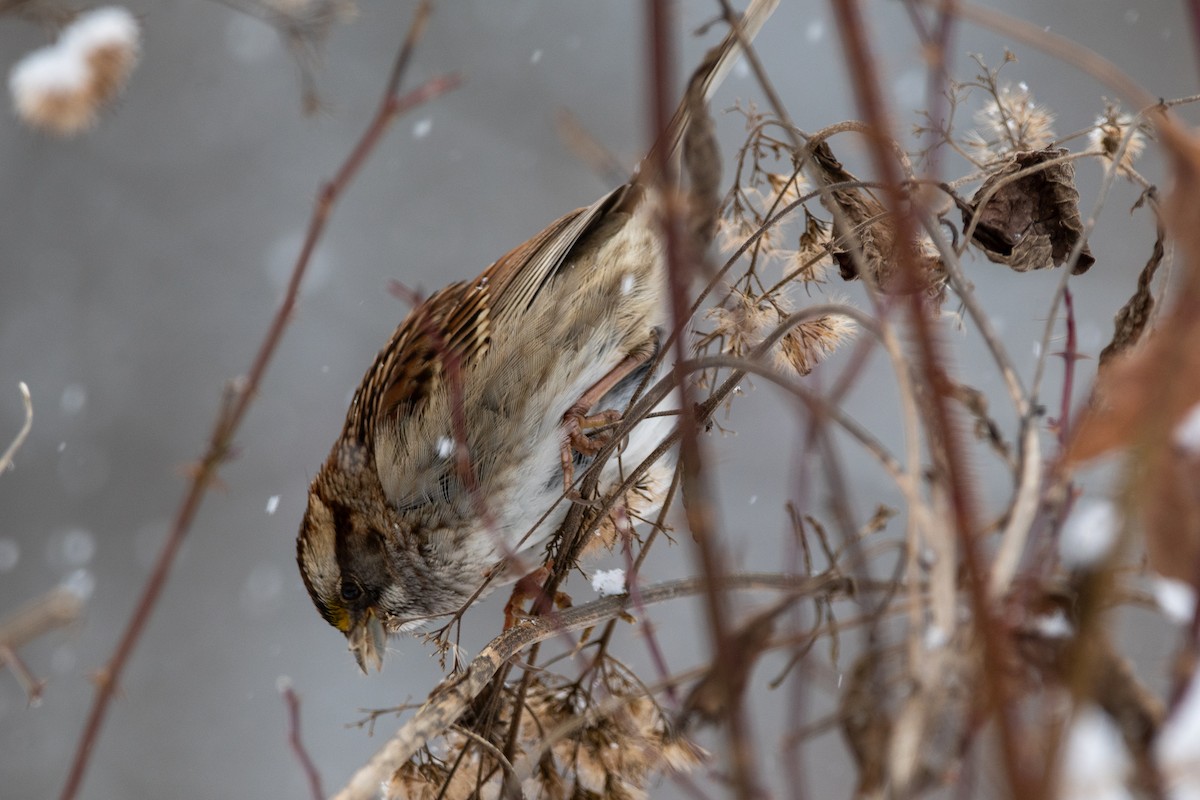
(704, 83)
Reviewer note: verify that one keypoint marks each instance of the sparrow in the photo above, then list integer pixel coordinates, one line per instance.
(465, 428)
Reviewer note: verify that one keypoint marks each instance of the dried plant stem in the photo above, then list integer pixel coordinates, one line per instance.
(450, 701)
(945, 439)
(701, 514)
(6, 460)
(243, 390)
(1025, 502)
(292, 700)
(54, 609)
(1058, 46)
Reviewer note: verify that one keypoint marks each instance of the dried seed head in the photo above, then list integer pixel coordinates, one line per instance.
(812, 341)
(743, 321)
(1111, 128)
(61, 88)
(732, 232)
(785, 188)
(1011, 121)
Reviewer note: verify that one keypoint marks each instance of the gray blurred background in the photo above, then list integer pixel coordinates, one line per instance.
(140, 264)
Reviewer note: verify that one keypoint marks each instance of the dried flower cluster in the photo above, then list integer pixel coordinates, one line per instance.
(61, 88)
(571, 745)
(1009, 122)
(1115, 130)
(305, 26)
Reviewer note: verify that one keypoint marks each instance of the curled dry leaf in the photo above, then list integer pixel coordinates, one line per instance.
(1141, 395)
(873, 230)
(1130, 322)
(1031, 222)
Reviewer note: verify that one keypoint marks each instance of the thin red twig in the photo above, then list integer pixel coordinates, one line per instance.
(699, 510)
(1194, 7)
(242, 391)
(1070, 355)
(945, 437)
(310, 769)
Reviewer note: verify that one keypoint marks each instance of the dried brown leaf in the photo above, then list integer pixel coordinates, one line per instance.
(1031, 222)
(875, 234)
(1170, 505)
(1141, 396)
(1130, 322)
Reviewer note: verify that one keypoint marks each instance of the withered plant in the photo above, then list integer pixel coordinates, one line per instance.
(966, 636)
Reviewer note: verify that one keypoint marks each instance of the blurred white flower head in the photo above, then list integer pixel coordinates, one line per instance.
(1113, 127)
(61, 88)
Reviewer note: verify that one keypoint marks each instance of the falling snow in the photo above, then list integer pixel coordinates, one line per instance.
(73, 399)
(70, 549)
(80, 583)
(10, 554)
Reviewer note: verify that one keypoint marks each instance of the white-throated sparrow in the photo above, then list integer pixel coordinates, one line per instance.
(457, 439)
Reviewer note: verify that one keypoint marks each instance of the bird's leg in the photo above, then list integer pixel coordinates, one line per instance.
(576, 421)
(532, 585)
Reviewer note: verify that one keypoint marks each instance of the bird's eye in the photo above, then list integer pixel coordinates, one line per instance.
(351, 592)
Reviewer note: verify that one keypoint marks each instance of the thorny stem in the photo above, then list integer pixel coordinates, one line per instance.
(945, 437)
(242, 392)
(1069, 356)
(699, 509)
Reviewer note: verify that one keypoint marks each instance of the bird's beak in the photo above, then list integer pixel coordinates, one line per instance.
(367, 640)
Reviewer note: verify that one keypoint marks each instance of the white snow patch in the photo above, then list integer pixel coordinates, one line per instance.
(111, 26)
(607, 582)
(1089, 534)
(1054, 625)
(1176, 598)
(1187, 432)
(1177, 748)
(1095, 763)
(935, 638)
